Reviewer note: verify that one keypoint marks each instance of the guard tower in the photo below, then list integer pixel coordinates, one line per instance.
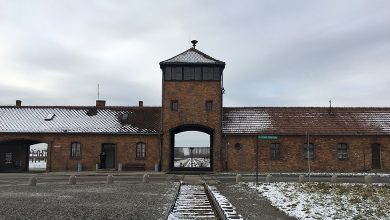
(191, 101)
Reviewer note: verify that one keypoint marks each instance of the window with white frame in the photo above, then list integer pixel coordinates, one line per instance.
(342, 151)
(141, 150)
(75, 150)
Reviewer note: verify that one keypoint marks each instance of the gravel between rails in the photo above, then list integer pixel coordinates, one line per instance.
(87, 201)
(249, 203)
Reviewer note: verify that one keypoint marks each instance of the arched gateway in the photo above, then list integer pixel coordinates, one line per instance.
(192, 157)
(192, 101)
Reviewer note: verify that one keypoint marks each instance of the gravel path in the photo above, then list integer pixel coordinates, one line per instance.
(87, 201)
(249, 203)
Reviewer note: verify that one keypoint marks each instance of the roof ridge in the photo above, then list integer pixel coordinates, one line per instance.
(167, 61)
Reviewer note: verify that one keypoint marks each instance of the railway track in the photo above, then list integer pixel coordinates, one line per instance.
(192, 202)
(200, 201)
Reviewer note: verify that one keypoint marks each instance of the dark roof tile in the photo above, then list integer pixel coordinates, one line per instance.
(299, 120)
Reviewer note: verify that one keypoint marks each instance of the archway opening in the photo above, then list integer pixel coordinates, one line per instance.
(191, 148)
(37, 160)
(23, 156)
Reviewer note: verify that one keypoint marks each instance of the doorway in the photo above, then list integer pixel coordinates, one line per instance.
(107, 158)
(23, 156)
(191, 148)
(376, 156)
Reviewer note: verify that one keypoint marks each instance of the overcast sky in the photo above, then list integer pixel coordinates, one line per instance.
(277, 53)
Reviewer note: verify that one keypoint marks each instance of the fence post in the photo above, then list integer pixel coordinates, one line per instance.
(301, 178)
(32, 181)
(72, 180)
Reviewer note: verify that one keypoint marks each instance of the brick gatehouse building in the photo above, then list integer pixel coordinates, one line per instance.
(142, 138)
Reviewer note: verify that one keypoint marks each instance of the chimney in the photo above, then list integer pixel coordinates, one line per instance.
(140, 104)
(100, 103)
(18, 103)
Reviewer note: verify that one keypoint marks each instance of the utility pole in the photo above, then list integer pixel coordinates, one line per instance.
(308, 152)
(257, 160)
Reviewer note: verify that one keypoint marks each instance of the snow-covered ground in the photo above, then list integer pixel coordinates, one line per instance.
(227, 208)
(37, 166)
(320, 174)
(196, 162)
(328, 200)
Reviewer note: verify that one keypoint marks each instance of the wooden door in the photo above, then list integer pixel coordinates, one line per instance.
(376, 156)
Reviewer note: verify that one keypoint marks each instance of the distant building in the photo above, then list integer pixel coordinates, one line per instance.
(142, 138)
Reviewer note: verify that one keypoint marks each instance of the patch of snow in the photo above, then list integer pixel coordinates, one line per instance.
(192, 203)
(195, 162)
(190, 57)
(65, 120)
(327, 200)
(331, 174)
(228, 209)
(246, 121)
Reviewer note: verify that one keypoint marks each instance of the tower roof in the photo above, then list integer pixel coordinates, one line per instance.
(192, 56)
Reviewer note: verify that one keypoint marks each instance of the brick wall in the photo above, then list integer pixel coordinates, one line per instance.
(91, 144)
(231, 157)
(192, 97)
(292, 153)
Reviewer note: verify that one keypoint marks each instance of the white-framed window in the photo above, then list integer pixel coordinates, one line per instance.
(141, 150)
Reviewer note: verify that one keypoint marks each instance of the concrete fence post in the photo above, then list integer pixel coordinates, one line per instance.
(110, 179)
(368, 180)
(32, 181)
(156, 167)
(97, 167)
(145, 178)
(301, 178)
(72, 180)
(238, 178)
(120, 167)
(268, 178)
(79, 167)
(333, 179)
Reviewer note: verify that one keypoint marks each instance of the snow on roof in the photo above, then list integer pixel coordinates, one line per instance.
(192, 56)
(242, 120)
(299, 120)
(79, 120)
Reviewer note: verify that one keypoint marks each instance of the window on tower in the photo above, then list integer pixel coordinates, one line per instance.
(168, 73)
(177, 73)
(210, 73)
(174, 105)
(189, 73)
(209, 106)
(198, 73)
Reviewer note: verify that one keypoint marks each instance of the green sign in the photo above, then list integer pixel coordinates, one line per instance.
(267, 137)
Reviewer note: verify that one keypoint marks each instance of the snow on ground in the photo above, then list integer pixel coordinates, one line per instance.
(319, 174)
(195, 162)
(37, 166)
(337, 174)
(228, 209)
(328, 200)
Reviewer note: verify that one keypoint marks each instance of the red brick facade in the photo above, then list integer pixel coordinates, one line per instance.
(191, 97)
(234, 145)
(59, 153)
(292, 153)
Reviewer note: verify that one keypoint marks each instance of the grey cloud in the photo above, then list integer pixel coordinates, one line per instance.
(277, 53)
